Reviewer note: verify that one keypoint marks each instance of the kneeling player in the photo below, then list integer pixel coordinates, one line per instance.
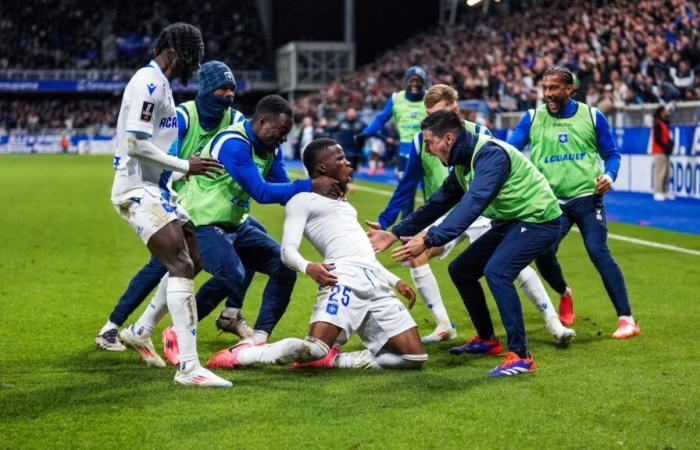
(355, 293)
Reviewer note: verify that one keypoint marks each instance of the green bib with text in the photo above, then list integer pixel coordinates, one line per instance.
(221, 200)
(565, 151)
(197, 137)
(525, 195)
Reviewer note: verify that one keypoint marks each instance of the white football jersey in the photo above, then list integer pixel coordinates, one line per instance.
(147, 107)
(331, 226)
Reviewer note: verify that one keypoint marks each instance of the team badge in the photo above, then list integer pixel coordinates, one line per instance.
(563, 138)
(332, 309)
(147, 111)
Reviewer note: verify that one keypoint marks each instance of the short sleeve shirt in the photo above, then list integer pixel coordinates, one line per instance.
(147, 108)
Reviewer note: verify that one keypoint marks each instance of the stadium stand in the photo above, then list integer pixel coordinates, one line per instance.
(72, 34)
(623, 55)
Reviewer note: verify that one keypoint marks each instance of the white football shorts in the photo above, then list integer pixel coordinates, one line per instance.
(362, 302)
(150, 212)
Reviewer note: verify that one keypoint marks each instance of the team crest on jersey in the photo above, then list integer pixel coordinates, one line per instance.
(563, 138)
(414, 114)
(332, 309)
(147, 111)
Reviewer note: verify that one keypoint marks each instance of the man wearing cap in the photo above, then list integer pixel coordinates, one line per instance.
(198, 121)
(407, 109)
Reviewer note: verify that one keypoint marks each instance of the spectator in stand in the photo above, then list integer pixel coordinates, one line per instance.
(656, 39)
(661, 149)
(346, 129)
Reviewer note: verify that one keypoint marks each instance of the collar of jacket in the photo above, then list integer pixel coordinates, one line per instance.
(462, 150)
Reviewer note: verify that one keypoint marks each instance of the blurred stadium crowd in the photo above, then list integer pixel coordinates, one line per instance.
(74, 34)
(623, 53)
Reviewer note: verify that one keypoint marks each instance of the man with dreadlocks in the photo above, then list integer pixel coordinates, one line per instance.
(145, 159)
(566, 138)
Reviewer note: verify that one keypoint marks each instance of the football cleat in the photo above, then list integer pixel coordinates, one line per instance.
(566, 308)
(236, 325)
(564, 337)
(327, 362)
(143, 345)
(441, 333)
(228, 357)
(513, 365)
(201, 377)
(478, 345)
(625, 329)
(109, 340)
(170, 347)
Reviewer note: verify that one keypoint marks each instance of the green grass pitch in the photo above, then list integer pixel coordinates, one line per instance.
(66, 256)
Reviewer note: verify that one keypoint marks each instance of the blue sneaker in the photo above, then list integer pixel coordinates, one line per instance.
(513, 365)
(478, 345)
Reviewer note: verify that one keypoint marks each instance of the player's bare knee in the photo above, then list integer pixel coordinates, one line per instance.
(312, 350)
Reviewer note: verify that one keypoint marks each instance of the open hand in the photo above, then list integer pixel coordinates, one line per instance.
(326, 186)
(380, 240)
(406, 291)
(320, 273)
(413, 247)
(208, 167)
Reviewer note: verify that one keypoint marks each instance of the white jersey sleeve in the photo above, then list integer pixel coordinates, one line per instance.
(388, 276)
(296, 213)
(145, 91)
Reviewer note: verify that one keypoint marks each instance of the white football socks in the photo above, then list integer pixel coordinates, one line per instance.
(183, 311)
(384, 360)
(429, 291)
(154, 312)
(629, 319)
(259, 336)
(281, 352)
(230, 313)
(108, 326)
(534, 290)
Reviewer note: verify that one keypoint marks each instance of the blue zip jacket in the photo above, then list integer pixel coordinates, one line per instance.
(491, 169)
(413, 176)
(235, 155)
(607, 148)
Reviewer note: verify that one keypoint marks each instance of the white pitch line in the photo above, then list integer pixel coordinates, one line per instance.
(673, 248)
(617, 237)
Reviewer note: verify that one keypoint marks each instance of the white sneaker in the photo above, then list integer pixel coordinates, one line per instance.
(109, 340)
(441, 333)
(201, 377)
(143, 345)
(659, 197)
